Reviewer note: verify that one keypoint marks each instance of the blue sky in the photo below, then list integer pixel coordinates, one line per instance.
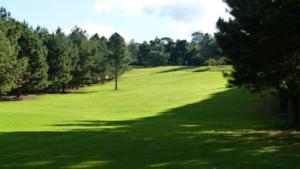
(134, 19)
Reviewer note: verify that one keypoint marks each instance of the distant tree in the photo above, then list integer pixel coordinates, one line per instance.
(82, 72)
(33, 49)
(144, 51)
(198, 37)
(11, 68)
(59, 61)
(100, 57)
(181, 53)
(261, 41)
(209, 48)
(169, 46)
(211, 62)
(157, 55)
(133, 51)
(118, 52)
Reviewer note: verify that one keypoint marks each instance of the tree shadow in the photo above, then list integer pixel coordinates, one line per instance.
(202, 69)
(213, 133)
(177, 69)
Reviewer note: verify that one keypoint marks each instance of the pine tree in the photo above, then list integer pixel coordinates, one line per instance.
(82, 72)
(59, 61)
(99, 56)
(32, 48)
(261, 41)
(119, 61)
(9, 76)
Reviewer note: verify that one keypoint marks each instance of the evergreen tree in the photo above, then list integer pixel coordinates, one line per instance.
(10, 67)
(99, 55)
(261, 41)
(33, 49)
(169, 46)
(133, 51)
(118, 55)
(144, 50)
(181, 53)
(59, 60)
(82, 72)
(157, 55)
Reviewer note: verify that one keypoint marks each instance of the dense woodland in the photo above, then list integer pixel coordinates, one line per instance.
(261, 41)
(34, 60)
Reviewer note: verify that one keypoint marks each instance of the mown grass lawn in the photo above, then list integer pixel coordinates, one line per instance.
(162, 118)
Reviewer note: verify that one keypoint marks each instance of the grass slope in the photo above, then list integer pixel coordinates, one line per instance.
(162, 118)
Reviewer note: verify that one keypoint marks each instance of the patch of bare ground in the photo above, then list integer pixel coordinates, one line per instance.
(15, 98)
(279, 133)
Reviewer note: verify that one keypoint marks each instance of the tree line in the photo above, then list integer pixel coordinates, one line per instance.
(35, 60)
(202, 50)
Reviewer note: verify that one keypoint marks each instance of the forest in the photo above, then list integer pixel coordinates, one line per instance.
(34, 60)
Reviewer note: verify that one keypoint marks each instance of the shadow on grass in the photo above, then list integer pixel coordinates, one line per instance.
(177, 69)
(213, 133)
(202, 69)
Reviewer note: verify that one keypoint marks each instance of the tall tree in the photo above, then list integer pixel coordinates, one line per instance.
(82, 72)
(11, 68)
(32, 48)
(144, 50)
(157, 55)
(169, 46)
(133, 51)
(181, 53)
(59, 60)
(261, 41)
(118, 52)
(99, 56)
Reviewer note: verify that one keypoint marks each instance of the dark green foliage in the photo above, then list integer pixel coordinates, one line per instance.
(167, 52)
(180, 54)
(59, 60)
(10, 68)
(133, 51)
(82, 71)
(100, 58)
(33, 49)
(203, 48)
(144, 50)
(33, 60)
(157, 55)
(56, 61)
(118, 56)
(261, 41)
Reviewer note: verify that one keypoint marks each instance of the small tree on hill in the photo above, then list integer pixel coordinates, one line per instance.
(117, 47)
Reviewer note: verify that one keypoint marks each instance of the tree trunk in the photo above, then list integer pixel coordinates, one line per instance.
(293, 109)
(102, 79)
(19, 92)
(116, 80)
(63, 88)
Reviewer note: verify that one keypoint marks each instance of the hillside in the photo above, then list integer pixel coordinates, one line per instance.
(161, 118)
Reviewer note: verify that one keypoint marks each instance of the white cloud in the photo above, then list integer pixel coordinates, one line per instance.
(185, 16)
(102, 30)
(129, 7)
(180, 10)
(204, 21)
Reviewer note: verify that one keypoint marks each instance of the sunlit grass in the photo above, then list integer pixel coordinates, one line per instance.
(162, 118)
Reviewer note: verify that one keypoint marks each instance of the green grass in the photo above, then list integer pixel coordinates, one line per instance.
(162, 118)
